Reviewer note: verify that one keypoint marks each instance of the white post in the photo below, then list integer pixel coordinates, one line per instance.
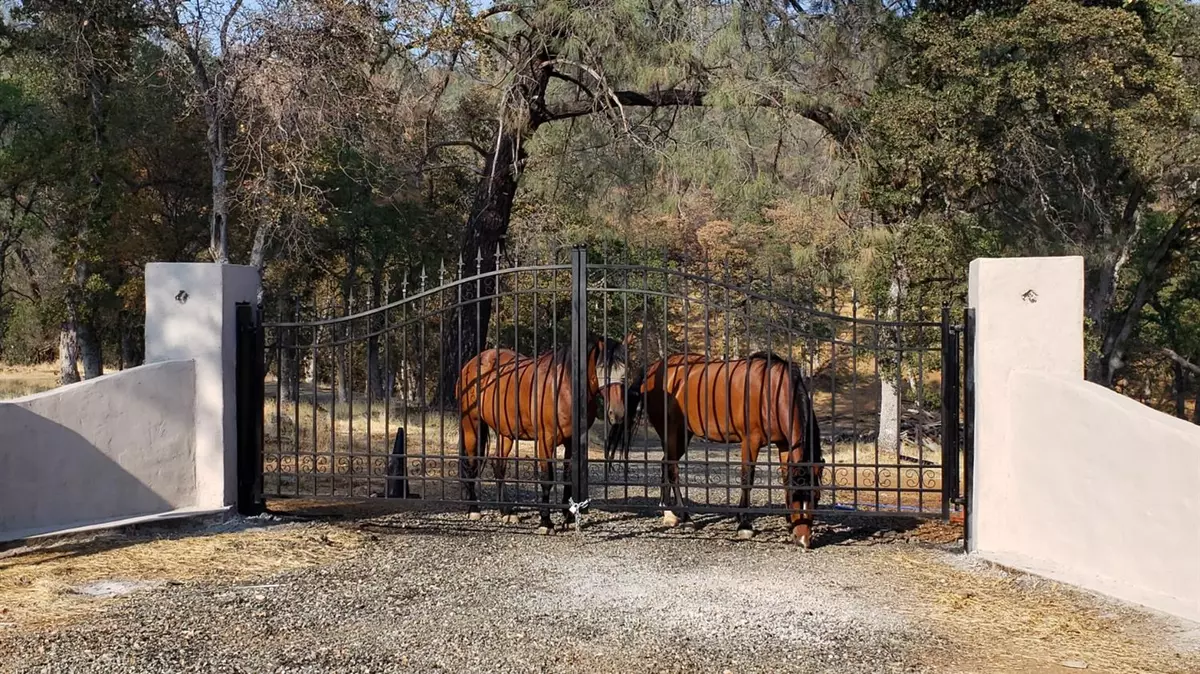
(1028, 316)
(190, 315)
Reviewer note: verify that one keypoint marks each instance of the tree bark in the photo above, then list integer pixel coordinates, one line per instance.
(68, 356)
(1179, 389)
(484, 237)
(888, 433)
(345, 330)
(1115, 333)
(131, 351)
(289, 357)
(376, 384)
(4, 245)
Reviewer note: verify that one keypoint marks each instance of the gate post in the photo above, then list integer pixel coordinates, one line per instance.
(579, 376)
(950, 411)
(249, 373)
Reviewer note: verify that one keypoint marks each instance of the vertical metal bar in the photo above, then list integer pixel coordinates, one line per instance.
(441, 395)
(387, 373)
(853, 405)
(968, 422)
(249, 410)
(516, 383)
(629, 363)
(833, 347)
(950, 412)
(316, 397)
(878, 469)
(579, 374)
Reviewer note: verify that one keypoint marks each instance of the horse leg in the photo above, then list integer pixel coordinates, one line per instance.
(799, 493)
(750, 449)
(568, 516)
(680, 442)
(545, 464)
(500, 468)
(474, 436)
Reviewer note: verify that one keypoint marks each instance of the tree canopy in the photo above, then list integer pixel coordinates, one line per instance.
(339, 145)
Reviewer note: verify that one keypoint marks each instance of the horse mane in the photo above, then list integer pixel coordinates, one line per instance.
(612, 351)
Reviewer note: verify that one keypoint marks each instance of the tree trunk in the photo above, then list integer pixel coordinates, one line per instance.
(85, 343)
(219, 219)
(376, 386)
(467, 323)
(289, 357)
(91, 353)
(1179, 389)
(344, 352)
(889, 373)
(131, 352)
(3, 307)
(1101, 364)
(1196, 410)
(68, 355)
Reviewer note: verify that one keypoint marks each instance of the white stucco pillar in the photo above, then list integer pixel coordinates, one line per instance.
(1028, 316)
(190, 315)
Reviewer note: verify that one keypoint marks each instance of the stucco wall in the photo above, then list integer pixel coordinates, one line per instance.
(1106, 493)
(114, 447)
(191, 315)
(1071, 480)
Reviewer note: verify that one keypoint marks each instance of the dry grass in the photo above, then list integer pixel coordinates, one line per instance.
(37, 583)
(22, 380)
(1012, 621)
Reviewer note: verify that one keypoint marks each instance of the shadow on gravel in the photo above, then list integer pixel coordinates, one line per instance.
(391, 517)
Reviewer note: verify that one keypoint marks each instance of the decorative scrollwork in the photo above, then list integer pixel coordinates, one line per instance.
(307, 465)
(931, 478)
(342, 465)
(358, 465)
(379, 465)
(885, 478)
(912, 478)
(322, 464)
(841, 477)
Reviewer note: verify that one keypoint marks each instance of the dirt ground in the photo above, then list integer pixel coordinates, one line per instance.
(324, 588)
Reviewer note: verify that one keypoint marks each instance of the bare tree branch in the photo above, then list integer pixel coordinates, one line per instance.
(1183, 362)
(661, 98)
(458, 143)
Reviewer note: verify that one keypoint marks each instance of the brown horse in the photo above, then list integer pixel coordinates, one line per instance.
(528, 398)
(754, 401)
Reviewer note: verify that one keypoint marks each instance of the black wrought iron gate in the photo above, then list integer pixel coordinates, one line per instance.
(345, 404)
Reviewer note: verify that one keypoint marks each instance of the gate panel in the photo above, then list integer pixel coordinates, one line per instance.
(358, 406)
(877, 387)
(365, 399)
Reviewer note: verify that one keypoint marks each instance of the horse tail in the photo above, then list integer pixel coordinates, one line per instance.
(812, 435)
(620, 435)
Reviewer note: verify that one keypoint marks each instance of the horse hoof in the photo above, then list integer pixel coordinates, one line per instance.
(544, 531)
(745, 534)
(474, 516)
(803, 541)
(510, 519)
(670, 520)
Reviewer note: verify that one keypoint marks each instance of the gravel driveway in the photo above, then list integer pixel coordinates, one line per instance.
(431, 592)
